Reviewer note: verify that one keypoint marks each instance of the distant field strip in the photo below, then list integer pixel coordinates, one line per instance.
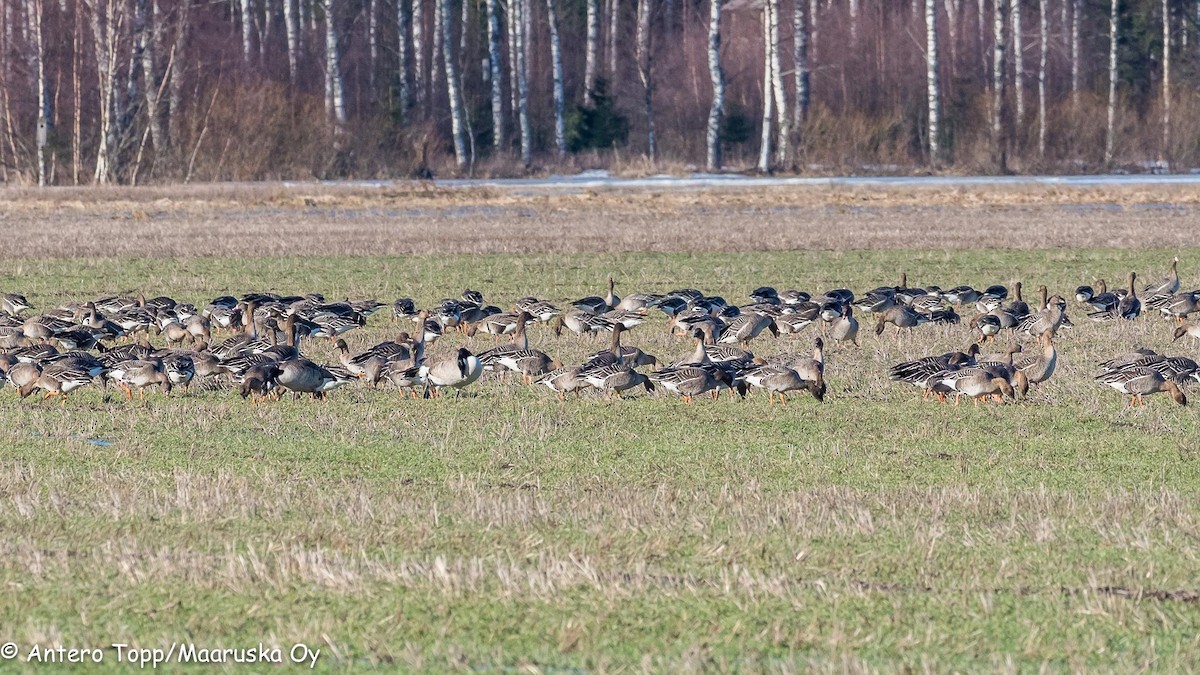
(351, 220)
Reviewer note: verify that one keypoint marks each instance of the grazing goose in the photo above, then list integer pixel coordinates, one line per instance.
(926, 371)
(302, 376)
(540, 310)
(563, 381)
(777, 379)
(1191, 330)
(628, 319)
(403, 308)
(579, 321)
(639, 301)
(616, 378)
(902, 317)
(57, 380)
(1084, 293)
(519, 342)
(691, 381)
(13, 304)
(746, 327)
(1139, 381)
(139, 374)
(530, 363)
(455, 370)
(811, 369)
(1181, 305)
(977, 382)
(22, 374)
(987, 325)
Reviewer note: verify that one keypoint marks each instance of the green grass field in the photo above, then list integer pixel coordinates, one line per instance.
(505, 530)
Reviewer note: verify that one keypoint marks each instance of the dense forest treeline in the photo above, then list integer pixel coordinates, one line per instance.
(135, 91)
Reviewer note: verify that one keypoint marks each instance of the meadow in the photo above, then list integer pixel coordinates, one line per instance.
(506, 530)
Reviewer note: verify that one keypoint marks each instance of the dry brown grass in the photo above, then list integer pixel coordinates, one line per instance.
(408, 218)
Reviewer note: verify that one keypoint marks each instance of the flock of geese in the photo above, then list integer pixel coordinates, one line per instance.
(257, 342)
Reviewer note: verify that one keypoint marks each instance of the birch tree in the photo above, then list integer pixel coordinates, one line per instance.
(644, 65)
(768, 102)
(372, 41)
(999, 138)
(800, 27)
(403, 32)
(1166, 82)
(1076, 12)
(495, 70)
(247, 14)
(291, 34)
(453, 88)
(1018, 61)
(716, 110)
(592, 49)
(560, 126)
(521, 60)
(420, 71)
(931, 77)
(107, 19)
(175, 71)
(614, 32)
(33, 13)
(334, 87)
(151, 37)
(783, 142)
(1043, 50)
(1110, 129)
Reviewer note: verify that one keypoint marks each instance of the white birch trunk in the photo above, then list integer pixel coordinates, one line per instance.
(981, 28)
(784, 121)
(33, 12)
(716, 111)
(522, 58)
(813, 6)
(768, 101)
(372, 42)
(645, 65)
(614, 21)
(453, 90)
(176, 70)
(592, 56)
(853, 11)
(1043, 51)
(931, 78)
(560, 103)
(107, 24)
(333, 68)
(152, 42)
(1018, 62)
(403, 36)
(435, 66)
(1076, 13)
(1110, 129)
(999, 137)
(290, 31)
(1166, 83)
(514, 45)
(420, 71)
(953, 12)
(247, 11)
(495, 70)
(800, 57)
